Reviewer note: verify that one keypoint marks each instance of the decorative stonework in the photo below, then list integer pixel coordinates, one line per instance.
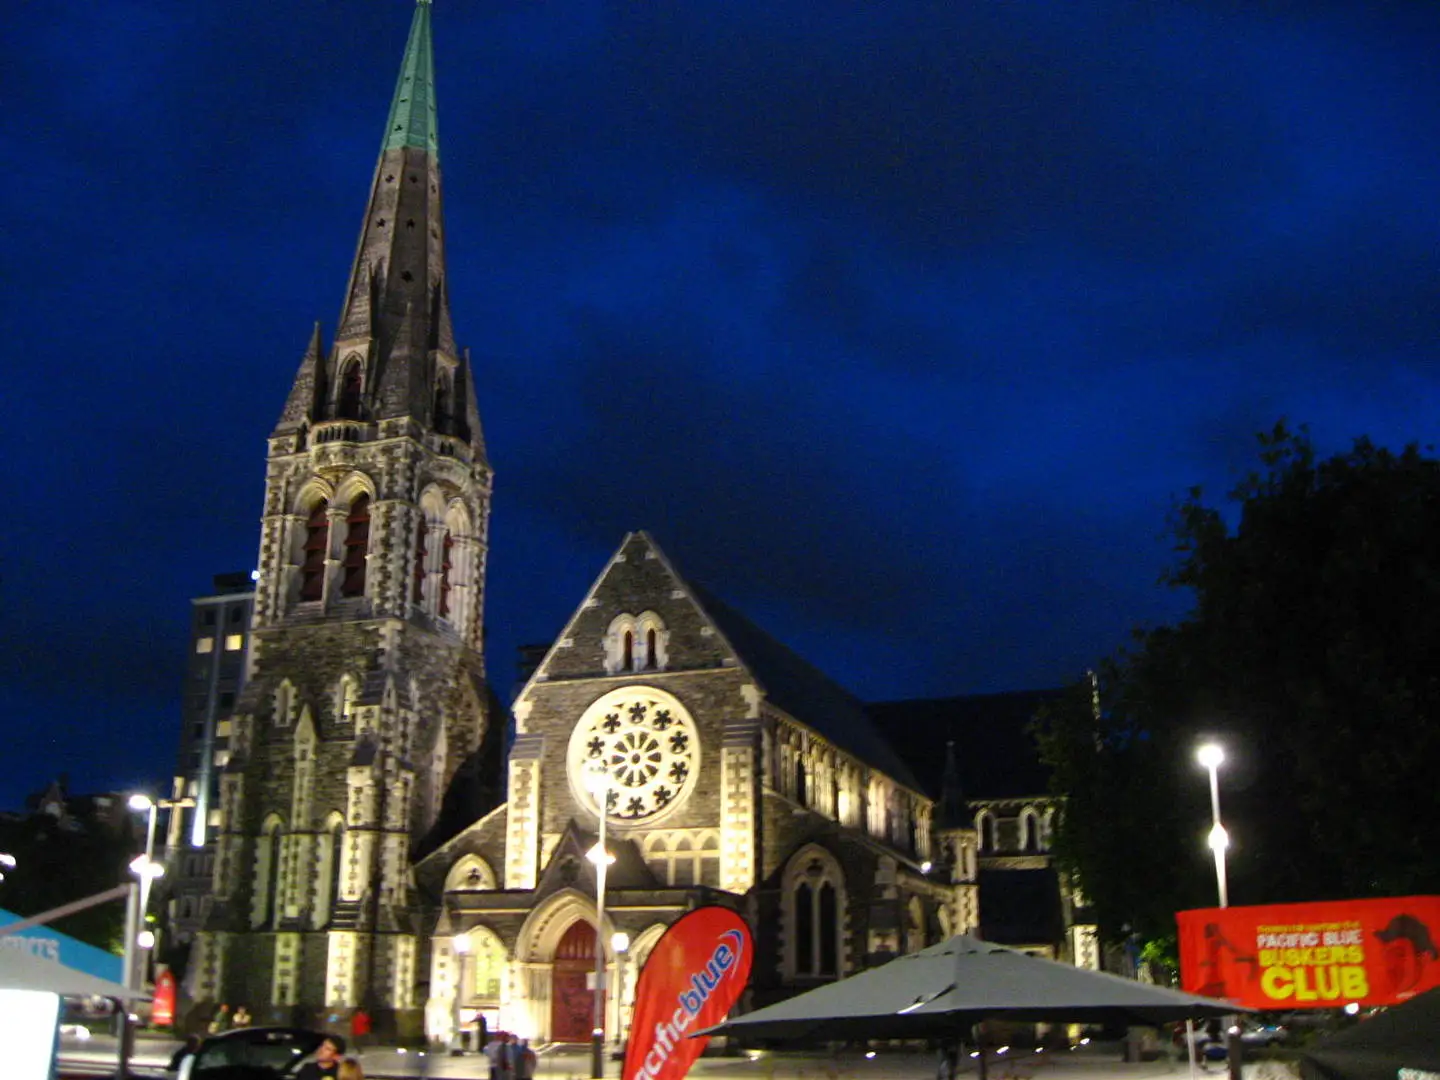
(646, 741)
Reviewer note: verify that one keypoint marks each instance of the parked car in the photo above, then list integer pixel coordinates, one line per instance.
(260, 1053)
(1264, 1034)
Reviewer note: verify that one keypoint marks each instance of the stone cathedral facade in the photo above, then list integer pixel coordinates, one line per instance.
(738, 773)
(366, 692)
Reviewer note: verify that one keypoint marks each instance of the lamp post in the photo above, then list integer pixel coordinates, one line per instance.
(461, 946)
(598, 783)
(1212, 756)
(619, 944)
(146, 869)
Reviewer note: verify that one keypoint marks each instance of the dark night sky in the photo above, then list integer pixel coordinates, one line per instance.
(900, 324)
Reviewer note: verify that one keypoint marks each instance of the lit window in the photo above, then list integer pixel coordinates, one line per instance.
(205, 645)
(233, 642)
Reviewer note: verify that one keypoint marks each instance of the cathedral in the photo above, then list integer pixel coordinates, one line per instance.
(728, 770)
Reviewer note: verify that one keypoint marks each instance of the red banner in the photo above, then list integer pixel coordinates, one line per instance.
(162, 1009)
(1313, 956)
(696, 971)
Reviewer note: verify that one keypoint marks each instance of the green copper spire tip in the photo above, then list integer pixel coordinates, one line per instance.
(412, 111)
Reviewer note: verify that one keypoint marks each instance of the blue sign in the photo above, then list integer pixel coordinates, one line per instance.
(47, 943)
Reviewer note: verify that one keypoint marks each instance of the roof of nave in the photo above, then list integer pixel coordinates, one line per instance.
(996, 754)
(801, 689)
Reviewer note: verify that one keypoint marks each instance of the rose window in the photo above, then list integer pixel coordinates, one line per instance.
(645, 742)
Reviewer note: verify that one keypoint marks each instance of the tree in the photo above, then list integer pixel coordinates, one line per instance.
(65, 859)
(1313, 653)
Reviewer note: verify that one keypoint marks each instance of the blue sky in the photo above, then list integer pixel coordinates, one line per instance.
(900, 324)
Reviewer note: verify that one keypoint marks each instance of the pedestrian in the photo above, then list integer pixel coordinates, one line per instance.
(241, 1018)
(327, 1060)
(359, 1028)
(494, 1052)
(949, 1060)
(221, 1020)
(350, 1070)
(507, 1058)
(525, 1061)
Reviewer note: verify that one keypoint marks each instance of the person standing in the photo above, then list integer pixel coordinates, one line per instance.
(495, 1052)
(524, 1061)
(359, 1027)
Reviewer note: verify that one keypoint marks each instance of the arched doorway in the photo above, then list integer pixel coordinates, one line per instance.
(572, 1015)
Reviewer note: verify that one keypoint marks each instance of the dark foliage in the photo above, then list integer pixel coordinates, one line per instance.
(1313, 655)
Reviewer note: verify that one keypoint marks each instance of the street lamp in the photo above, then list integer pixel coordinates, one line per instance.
(620, 945)
(146, 869)
(597, 781)
(1212, 756)
(460, 944)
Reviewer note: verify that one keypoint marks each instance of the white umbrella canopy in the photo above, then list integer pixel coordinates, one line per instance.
(21, 971)
(940, 991)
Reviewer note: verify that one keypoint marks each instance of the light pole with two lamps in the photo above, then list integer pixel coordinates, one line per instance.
(137, 904)
(597, 781)
(1211, 755)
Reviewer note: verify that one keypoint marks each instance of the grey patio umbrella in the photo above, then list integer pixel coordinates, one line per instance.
(21, 971)
(941, 991)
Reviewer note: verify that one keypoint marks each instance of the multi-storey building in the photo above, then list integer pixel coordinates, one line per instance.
(215, 674)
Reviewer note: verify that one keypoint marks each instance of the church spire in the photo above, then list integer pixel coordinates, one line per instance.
(412, 110)
(394, 346)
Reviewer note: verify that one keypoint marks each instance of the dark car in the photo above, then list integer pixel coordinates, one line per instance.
(261, 1053)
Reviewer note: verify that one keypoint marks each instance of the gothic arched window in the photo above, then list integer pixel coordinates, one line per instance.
(315, 552)
(442, 402)
(814, 914)
(800, 780)
(829, 932)
(627, 655)
(446, 565)
(804, 930)
(357, 545)
(351, 383)
(327, 883)
(266, 882)
(421, 531)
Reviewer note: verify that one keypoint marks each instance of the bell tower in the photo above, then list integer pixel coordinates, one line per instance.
(366, 693)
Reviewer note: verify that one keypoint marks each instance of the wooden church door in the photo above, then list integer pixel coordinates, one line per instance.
(572, 1016)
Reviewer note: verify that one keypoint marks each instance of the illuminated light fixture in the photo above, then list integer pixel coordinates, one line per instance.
(1210, 755)
(140, 803)
(145, 939)
(145, 867)
(619, 941)
(926, 866)
(1352, 1008)
(597, 853)
(869, 1055)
